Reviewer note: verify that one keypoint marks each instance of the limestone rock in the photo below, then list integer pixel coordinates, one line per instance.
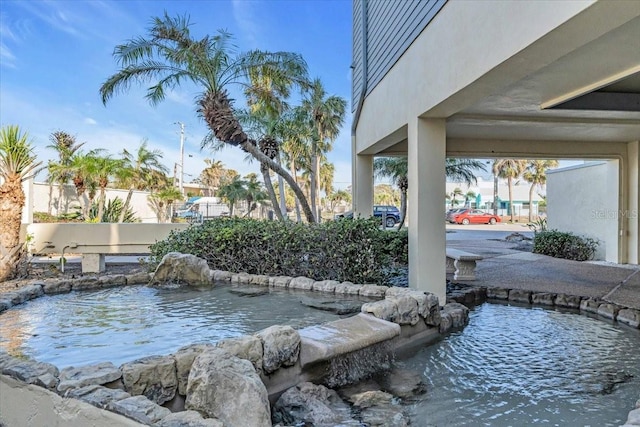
(5, 304)
(182, 268)
(98, 396)
(85, 283)
(141, 278)
(327, 286)
(259, 279)
(228, 388)
(567, 301)
(310, 404)
(32, 372)
(373, 291)
(590, 305)
(634, 417)
(112, 280)
(446, 322)
(403, 383)
(543, 298)
(153, 377)
(498, 293)
(184, 358)
(246, 347)
(337, 307)
(377, 408)
(347, 288)
(407, 308)
(241, 277)
(630, 317)
(222, 276)
(281, 347)
(188, 419)
(98, 374)
(458, 312)
(518, 295)
(610, 311)
(280, 281)
(140, 409)
(56, 286)
(385, 309)
(301, 282)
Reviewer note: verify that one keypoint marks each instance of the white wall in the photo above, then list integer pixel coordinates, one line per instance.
(139, 201)
(584, 200)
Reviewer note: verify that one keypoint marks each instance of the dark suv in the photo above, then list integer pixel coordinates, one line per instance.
(390, 214)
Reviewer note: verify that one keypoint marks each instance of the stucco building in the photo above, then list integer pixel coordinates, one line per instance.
(493, 79)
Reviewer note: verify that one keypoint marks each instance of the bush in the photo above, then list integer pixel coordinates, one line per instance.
(560, 244)
(355, 250)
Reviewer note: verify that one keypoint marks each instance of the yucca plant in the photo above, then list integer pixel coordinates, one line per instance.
(113, 211)
(17, 164)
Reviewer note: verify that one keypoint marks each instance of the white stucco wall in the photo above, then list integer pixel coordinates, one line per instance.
(139, 200)
(584, 200)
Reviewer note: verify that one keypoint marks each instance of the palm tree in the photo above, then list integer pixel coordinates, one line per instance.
(253, 193)
(212, 175)
(326, 115)
(232, 191)
(395, 168)
(103, 169)
(137, 171)
(463, 170)
(17, 164)
(60, 171)
(170, 56)
(469, 195)
(454, 194)
(295, 150)
(509, 169)
(536, 174)
(162, 198)
(337, 197)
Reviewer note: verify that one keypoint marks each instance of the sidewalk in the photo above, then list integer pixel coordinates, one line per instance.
(506, 267)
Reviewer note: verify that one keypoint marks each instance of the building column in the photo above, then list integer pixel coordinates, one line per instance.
(427, 243)
(362, 185)
(633, 206)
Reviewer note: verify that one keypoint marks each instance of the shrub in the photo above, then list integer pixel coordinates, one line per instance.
(564, 245)
(355, 250)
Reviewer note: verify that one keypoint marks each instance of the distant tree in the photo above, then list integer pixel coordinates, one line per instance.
(17, 164)
(232, 191)
(338, 197)
(535, 173)
(463, 170)
(454, 194)
(395, 168)
(60, 171)
(469, 195)
(509, 169)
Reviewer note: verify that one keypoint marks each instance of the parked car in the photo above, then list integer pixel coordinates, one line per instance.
(475, 216)
(391, 214)
(451, 213)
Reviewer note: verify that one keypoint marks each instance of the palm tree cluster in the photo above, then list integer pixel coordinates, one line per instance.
(269, 130)
(533, 171)
(92, 172)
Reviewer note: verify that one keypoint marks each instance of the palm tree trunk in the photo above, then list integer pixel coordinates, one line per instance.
(403, 208)
(318, 199)
(50, 204)
(126, 205)
(101, 201)
(312, 179)
(60, 193)
(297, 204)
(272, 194)
(12, 201)
(531, 202)
(510, 182)
(283, 202)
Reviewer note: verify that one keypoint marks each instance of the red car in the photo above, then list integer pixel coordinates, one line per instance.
(475, 216)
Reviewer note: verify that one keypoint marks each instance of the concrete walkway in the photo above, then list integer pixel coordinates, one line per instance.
(507, 267)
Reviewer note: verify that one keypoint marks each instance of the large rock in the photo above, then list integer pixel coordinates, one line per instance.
(246, 347)
(403, 383)
(188, 419)
(459, 314)
(98, 396)
(378, 409)
(182, 268)
(31, 372)
(153, 377)
(140, 409)
(184, 358)
(310, 404)
(407, 308)
(228, 388)
(98, 374)
(630, 317)
(384, 309)
(281, 347)
(301, 282)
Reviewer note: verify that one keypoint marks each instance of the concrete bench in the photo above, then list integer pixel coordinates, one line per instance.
(461, 264)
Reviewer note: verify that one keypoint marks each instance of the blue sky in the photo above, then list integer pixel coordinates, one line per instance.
(54, 56)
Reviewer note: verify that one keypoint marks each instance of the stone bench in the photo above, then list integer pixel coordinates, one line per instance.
(461, 264)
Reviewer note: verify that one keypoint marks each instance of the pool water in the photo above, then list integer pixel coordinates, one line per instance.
(126, 323)
(520, 366)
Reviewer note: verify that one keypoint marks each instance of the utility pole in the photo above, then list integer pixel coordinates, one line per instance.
(181, 157)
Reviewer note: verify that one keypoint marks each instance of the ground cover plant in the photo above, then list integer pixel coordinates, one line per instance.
(560, 244)
(355, 250)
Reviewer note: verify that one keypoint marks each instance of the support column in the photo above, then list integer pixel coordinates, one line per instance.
(633, 206)
(93, 263)
(362, 185)
(426, 162)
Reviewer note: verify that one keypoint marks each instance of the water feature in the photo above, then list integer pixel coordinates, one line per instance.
(126, 323)
(514, 366)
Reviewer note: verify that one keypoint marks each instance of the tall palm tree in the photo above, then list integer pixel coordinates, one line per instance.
(212, 175)
(60, 171)
(454, 194)
(295, 150)
(253, 193)
(103, 169)
(337, 197)
(137, 170)
(509, 169)
(396, 169)
(536, 174)
(17, 164)
(463, 170)
(170, 55)
(326, 114)
(162, 198)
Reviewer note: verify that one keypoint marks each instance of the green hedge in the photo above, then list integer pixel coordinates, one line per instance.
(561, 244)
(356, 250)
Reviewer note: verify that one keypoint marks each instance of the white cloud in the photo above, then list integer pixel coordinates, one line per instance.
(90, 121)
(247, 21)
